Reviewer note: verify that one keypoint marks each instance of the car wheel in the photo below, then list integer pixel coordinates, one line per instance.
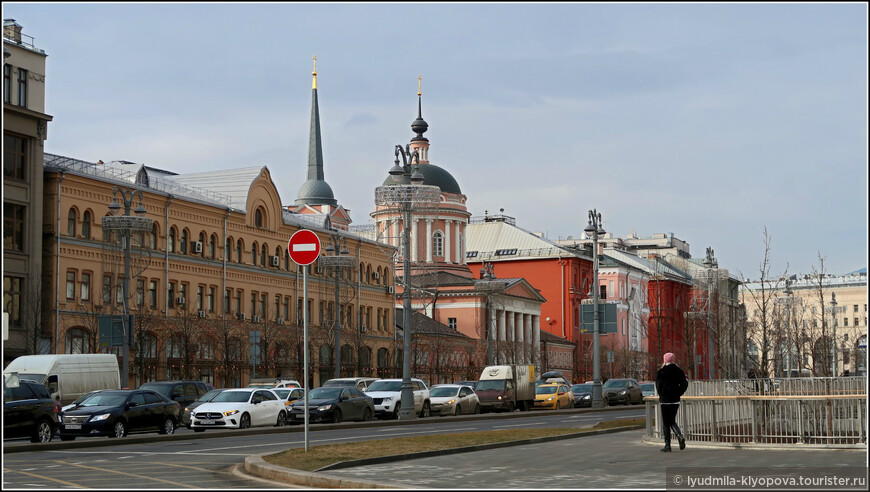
(245, 421)
(168, 426)
(425, 412)
(197, 429)
(282, 419)
(558, 405)
(67, 438)
(43, 432)
(477, 409)
(457, 410)
(119, 429)
(396, 411)
(510, 406)
(336, 416)
(367, 415)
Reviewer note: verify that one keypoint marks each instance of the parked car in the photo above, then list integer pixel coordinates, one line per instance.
(185, 414)
(359, 383)
(289, 395)
(270, 383)
(116, 413)
(240, 409)
(333, 404)
(387, 396)
(473, 384)
(553, 396)
(582, 395)
(453, 399)
(184, 392)
(648, 388)
(626, 391)
(29, 411)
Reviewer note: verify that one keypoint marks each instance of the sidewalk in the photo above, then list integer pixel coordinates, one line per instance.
(617, 460)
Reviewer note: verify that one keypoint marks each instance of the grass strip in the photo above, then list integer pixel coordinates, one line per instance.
(319, 456)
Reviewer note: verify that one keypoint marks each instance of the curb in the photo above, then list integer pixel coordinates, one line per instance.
(760, 445)
(97, 442)
(256, 465)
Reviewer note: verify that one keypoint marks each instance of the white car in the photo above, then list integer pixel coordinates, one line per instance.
(240, 409)
(387, 396)
(453, 399)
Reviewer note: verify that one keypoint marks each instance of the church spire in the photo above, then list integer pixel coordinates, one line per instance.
(419, 126)
(315, 191)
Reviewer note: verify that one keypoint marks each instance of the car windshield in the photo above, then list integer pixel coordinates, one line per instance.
(648, 387)
(324, 393)
(616, 383)
(496, 384)
(210, 395)
(443, 391)
(39, 378)
(104, 400)
(385, 386)
(233, 397)
(582, 389)
(545, 390)
(163, 389)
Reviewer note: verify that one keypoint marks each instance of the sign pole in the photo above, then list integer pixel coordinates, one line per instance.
(305, 343)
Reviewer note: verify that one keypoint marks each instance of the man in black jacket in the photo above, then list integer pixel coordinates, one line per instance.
(671, 383)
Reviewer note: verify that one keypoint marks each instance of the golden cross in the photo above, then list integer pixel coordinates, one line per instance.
(419, 84)
(315, 64)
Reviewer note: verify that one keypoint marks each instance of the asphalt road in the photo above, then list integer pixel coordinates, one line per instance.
(208, 463)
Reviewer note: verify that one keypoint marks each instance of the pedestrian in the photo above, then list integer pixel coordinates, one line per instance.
(671, 383)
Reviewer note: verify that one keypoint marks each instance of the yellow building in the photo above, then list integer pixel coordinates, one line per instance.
(813, 325)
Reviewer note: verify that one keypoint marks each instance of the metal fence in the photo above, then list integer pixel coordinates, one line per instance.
(817, 412)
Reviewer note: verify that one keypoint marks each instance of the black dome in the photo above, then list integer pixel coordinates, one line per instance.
(434, 176)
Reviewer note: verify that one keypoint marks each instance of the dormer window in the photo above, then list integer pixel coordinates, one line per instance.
(258, 218)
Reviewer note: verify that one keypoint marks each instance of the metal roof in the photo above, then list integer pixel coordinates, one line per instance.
(501, 240)
(233, 183)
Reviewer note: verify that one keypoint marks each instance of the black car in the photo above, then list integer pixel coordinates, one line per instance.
(333, 404)
(626, 391)
(115, 413)
(582, 395)
(28, 410)
(184, 392)
(185, 413)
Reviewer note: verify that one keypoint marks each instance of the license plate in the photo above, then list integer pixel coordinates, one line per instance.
(206, 422)
(72, 426)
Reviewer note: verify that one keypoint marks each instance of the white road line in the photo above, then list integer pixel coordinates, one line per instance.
(125, 457)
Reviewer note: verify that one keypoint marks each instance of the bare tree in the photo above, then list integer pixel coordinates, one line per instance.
(34, 336)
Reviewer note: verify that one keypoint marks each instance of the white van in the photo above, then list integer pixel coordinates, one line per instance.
(68, 376)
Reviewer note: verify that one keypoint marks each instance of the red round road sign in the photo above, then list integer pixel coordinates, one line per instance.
(304, 247)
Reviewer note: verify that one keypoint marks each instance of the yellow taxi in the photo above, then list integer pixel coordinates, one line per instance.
(553, 396)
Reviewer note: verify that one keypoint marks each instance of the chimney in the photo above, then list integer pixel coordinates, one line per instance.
(11, 30)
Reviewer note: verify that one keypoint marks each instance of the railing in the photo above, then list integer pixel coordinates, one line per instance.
(815, 412)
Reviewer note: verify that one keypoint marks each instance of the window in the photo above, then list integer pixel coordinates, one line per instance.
(603, 291)
(211, 299)
(140, 292)
(13, 227)
(7, 83)
(107, 289)
(86, 287)
(263, 306)
(14, 156)
(471, 254)
(253, 304)
(856, 321)
(22, 87)
(258, 218)
(12, 299)
(183, 295)
(152, 294)
(438, 244)
(211, 246)
(119, 292)
(239, 250)
(172, 240)
(200, 291)
(451, 323)
(184, 241)
(86, 224)
(77, 341)
(254, 254)
(171, 294)
(202, 244)
(228, 294)
(239, 301)
(152, 241)
(845, 321)
(70, 286)
(503, 252)
(71, 223)
(286, 308)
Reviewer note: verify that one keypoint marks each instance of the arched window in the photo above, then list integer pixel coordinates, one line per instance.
(438, 244)
(71, 223)
(155, 233)
(78, 341)
(86, 224)
(211, 246)
(254, 250)
(383, 362)
(263, 255)
(258, 217)
(172, 239)
(202, 244)
(368, 274)
(228, 249)
(184, 241)
(365, 359)
(239, 248)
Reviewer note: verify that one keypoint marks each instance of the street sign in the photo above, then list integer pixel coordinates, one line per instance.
(606, 318)
(304, 247)
(111, 330)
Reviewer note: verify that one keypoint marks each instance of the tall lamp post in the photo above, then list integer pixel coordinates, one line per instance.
(339, 258)
(125, 226)
(407, 192)
(489, 285)
(594, 229)
(712, 276)
(791, 341)
(834, 335)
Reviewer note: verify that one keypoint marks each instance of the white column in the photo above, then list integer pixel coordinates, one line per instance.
(429, 240)
(395, 239)
(447, 225)
(536, 327)
(414, 239)
(512, 326)
(459, 254)
(501, 326)
(521, 328)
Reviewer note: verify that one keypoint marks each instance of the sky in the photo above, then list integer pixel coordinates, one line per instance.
(714, 122)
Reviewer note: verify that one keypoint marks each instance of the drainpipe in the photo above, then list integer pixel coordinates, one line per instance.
(166, 260)
(226, 253)
(57, 271)
(562, 295)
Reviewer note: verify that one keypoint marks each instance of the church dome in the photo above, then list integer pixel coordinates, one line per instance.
(434, 176)
(315, 192)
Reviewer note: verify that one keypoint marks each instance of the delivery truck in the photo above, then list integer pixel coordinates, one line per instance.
(68, 376)
(506, 388)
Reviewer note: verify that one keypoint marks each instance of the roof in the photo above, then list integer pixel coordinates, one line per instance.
(501, 240)
(434, 176)
(427, 326)
(656, 266)
(547, 337)
(234, 183)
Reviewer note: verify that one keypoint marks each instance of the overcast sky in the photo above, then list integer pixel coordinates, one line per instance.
(708, 121)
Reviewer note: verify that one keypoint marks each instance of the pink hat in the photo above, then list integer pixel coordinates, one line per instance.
(669, 357)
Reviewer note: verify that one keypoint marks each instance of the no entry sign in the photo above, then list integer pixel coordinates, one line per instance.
(304, 247)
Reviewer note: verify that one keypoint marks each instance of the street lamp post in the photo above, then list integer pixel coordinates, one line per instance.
(834, 335)
(126, 225)
(712, 275)
(791, 342)
(594, 229)
(340, 257)
(407, 192)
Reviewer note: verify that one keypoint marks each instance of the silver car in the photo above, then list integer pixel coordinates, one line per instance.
(453, 399)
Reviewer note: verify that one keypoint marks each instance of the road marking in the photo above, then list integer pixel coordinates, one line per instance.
(517, 425)
(182, 466)
(133, 475)
(42, 477)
